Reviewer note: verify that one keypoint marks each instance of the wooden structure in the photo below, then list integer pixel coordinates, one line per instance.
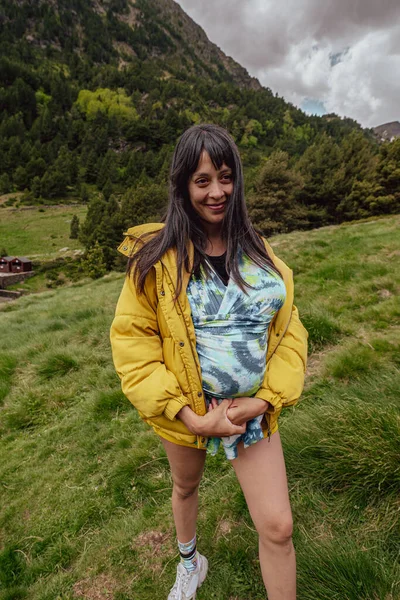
(5, 264)
(21, 264)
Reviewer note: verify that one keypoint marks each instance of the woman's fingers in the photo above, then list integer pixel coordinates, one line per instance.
(220, 424)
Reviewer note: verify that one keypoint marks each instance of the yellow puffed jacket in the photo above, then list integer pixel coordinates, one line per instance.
(154, 349)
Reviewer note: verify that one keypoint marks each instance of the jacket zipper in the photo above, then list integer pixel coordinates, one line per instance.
(199, 438)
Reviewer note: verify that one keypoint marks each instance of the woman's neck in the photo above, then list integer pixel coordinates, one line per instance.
(215, 244)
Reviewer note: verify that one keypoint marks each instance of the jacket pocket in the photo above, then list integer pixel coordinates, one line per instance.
(173, 362)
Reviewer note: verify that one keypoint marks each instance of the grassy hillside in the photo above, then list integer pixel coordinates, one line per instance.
(39, 233)
(85, 490)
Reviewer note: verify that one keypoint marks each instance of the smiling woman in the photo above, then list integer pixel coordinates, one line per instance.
(209, 348)
(210, 190)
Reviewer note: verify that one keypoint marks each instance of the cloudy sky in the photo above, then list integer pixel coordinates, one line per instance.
(339, 56)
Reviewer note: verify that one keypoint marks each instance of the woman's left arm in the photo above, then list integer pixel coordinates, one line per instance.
(284, 375)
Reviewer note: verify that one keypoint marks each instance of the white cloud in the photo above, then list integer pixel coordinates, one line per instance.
(345, 54)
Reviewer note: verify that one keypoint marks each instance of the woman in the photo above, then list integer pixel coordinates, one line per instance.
(209, 348)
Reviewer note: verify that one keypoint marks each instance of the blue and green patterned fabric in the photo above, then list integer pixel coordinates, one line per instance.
(231, 337)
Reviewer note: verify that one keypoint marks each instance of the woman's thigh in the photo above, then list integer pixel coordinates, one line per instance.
(186, 464)
(261, 472)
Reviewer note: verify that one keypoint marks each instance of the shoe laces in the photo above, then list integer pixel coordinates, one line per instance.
(182, 581)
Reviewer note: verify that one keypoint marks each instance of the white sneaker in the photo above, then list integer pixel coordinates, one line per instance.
(187, 582)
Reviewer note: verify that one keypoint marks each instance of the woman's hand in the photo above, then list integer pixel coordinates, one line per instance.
(213, 424)
(244, 409)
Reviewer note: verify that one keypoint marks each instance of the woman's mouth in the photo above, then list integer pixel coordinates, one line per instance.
(216, 207)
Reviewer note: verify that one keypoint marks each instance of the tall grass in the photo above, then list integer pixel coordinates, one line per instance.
(85, 508)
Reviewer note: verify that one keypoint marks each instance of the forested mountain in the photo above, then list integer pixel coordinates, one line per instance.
(94, 94)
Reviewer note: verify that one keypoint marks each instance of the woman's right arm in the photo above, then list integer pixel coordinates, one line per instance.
(137, 353)
(138, 358)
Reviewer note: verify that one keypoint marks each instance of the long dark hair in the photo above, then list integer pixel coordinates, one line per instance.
(182, 223)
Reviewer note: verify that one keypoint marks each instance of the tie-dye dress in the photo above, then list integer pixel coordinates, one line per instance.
(231, 337)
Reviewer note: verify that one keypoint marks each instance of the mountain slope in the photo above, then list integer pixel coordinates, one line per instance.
(388, 131)
(118, 31)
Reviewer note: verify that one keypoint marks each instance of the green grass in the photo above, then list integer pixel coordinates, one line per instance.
(85, 488)
(39, 233)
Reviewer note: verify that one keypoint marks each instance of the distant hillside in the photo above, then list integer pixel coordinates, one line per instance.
(95, 93)
(388, 131)
(120, 31)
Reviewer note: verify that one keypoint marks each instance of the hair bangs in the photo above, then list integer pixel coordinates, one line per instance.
(219, 151)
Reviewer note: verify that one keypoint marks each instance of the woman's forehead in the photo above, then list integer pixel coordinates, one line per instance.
(206, 164)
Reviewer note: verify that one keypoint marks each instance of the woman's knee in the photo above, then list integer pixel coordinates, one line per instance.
(185, 489)
(277, 530)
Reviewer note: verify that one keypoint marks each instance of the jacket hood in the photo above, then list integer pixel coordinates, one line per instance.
(139, 230)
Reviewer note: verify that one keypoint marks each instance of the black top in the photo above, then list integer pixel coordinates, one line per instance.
(218, 262)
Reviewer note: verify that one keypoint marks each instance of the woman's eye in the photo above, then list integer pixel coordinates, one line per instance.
(227, 178)
(201, 181)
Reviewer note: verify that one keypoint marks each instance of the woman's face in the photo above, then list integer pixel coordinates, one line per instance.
(210, 190)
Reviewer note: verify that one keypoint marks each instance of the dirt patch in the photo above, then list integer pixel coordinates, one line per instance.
(394, 253)
(315, 363)
(385, 293)
(100, 587)
(224, 528)
(154, 547)
(154, 540)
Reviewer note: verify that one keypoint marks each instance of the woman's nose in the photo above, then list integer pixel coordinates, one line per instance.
(216, 191)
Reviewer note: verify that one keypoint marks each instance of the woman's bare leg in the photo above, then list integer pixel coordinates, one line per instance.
(261, 472)
(187, 465)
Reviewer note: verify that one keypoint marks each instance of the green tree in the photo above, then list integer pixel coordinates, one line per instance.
(273, 206)
(74, 229)
(54, 183)
(84, 193)
(5, 184)
(103, 224)
(107, 189)
(388, 171)
(143, 204)
(319, 166)
(93, 264)
(20, 178)
(36, 187)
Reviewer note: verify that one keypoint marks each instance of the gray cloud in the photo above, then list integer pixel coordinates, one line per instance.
(345, 54)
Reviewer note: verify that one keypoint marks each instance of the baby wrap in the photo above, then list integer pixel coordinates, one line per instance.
(231, 337)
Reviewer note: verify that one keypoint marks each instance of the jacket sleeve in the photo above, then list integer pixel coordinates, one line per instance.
(138, 355)
(284, 375)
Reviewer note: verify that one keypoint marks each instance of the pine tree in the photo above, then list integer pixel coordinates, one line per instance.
(107, 190)
(84, 193)
(273, 207)
(36, 187)
(5, 184)
(93, 264)
(74, 231)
